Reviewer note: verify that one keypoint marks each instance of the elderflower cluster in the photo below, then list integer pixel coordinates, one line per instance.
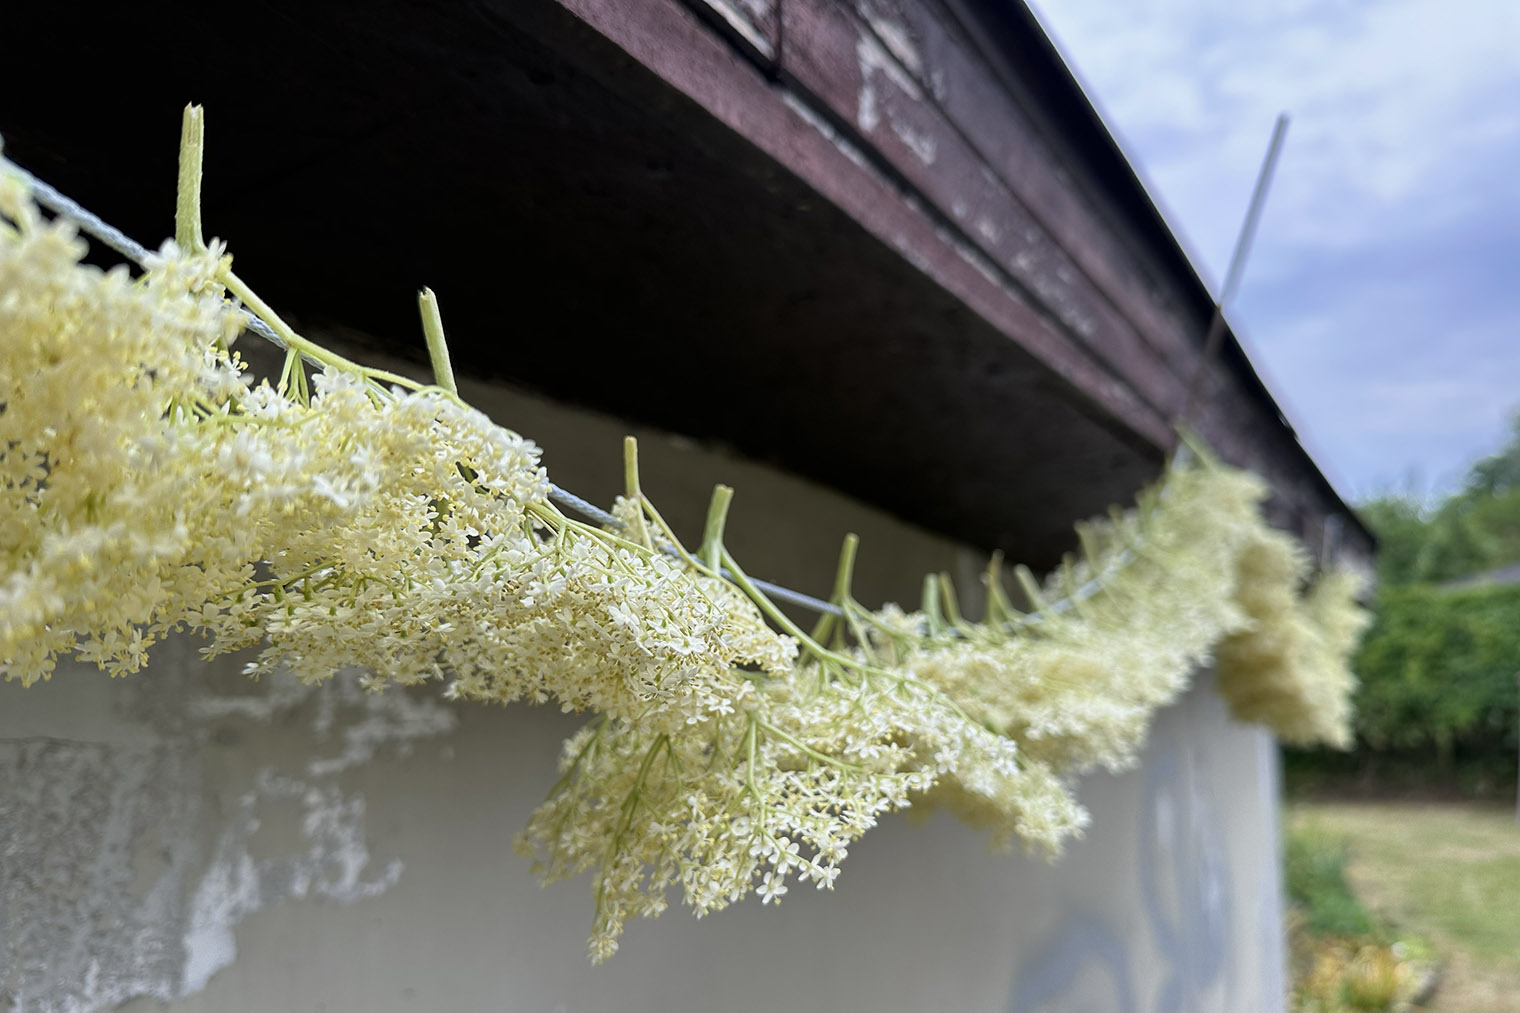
(773, 795)
(150, 486)
(104, 502)
(447, 564)
(1290, 668)
(1075, 684)
(990, 720)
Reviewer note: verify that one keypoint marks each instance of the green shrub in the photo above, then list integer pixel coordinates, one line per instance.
(1437, 672)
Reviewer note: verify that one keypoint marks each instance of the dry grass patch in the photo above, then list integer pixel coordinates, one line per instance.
(1449, 873)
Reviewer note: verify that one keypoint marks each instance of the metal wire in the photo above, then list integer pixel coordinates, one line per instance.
(569, 499)
(86, 220)
(92, 224)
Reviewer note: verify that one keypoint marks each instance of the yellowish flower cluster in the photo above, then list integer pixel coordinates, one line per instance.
(774, 790)
(992, 720)
(351, 517)
(771, 794)
(149, 486)
(104, 504)
(1076, 683)
(1193, 574)
(773, 787)
(1290, 668)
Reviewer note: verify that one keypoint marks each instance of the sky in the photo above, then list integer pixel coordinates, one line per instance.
(1381, 302)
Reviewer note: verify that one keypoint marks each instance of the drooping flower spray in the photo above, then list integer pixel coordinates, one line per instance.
(336, 515)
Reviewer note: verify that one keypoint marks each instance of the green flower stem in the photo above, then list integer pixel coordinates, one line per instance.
(844, 578)
(711, 553)
(278, 581)
(806, 750)
(188, 236)
(1031, 588)
(580, 756)
(438, 348)
(630, 806)
(953, 610)
(187, 206)
(670, 535)
(633, 490)
(239, 288)
(751, 749)
(557, 521)
(852, 613)
(1069, 582)
(844, 572)
(825, 656)
(1089, 544)
(1000, 610)
(932, 614)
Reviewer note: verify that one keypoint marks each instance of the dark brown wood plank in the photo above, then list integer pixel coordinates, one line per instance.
(951, 72)
(669, 40)
(951, 69)
(838, 59)
(1241, 421)
(752, 24)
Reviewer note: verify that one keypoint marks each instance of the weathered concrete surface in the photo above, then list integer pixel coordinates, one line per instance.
(189, 838)
(142, 820)
(214, 869)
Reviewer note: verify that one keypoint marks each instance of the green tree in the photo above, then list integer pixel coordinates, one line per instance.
(1472, 530)
(1499, 474)
(1437, 668)
(1457, 543)
(1402, 531)
(1437, 671)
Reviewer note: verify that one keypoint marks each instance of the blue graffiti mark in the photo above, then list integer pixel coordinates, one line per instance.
(1181, 846)
(1186, 895)
(1052, 974)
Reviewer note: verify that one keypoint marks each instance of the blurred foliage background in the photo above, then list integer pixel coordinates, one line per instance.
(1437, 708)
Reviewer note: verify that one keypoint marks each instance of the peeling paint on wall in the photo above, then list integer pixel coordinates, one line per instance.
(132, 839)
(89, 918)
(333, 866)
(809, 116)
(895, 36)
(877, 65)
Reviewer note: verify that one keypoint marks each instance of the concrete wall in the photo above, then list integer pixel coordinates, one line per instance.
(185, 839)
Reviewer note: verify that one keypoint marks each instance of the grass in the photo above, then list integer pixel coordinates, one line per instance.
(1316, 880)
(1449, 873)
(1345, 959)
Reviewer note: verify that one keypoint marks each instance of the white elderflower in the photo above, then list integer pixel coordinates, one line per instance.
(150, 485)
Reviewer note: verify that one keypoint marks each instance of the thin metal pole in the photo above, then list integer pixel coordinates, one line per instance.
(1237, 261)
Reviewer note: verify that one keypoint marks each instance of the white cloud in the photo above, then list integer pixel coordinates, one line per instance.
(1390, 101)
(1392, 207)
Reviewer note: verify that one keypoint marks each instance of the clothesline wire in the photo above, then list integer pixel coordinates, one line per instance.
(569, 499)
(123, 244)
